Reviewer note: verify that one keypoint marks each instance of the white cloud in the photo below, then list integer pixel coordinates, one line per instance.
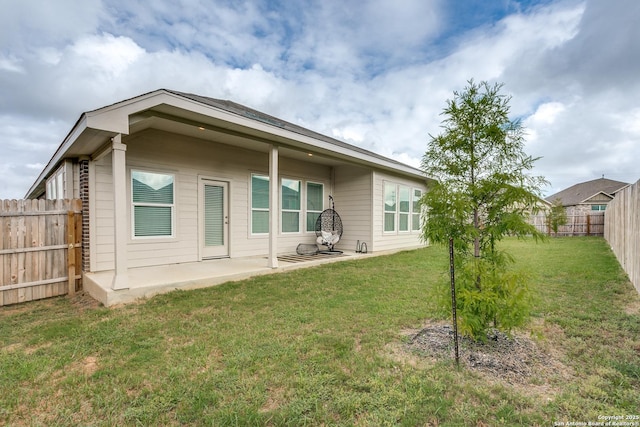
(374, 76)
(11, 64)
(106, 54)
(546, 114)
(628, 122)
(26, 25)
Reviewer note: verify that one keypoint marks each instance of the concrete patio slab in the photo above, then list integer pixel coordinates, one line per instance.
(146, 282)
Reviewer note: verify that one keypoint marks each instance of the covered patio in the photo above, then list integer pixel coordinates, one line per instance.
(145, 282)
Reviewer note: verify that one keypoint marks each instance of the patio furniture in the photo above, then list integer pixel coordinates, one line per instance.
(329, 229)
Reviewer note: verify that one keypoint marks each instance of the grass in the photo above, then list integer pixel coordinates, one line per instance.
(319, 346)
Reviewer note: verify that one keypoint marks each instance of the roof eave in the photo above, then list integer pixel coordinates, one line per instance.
(114, 119)
(36, 188)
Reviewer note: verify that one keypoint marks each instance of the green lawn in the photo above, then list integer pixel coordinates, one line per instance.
(319, 346)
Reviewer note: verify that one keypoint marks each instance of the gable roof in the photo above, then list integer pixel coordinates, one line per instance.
(95, 128)
(580, 193)
(244, 111)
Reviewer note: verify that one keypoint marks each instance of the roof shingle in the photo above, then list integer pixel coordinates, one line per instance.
(577, 193)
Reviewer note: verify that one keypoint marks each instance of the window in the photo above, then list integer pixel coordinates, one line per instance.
(598, 207)
(415, 210)
(401, 208)
(153, 204)
(315, 198)
(389, 207)
(404, 207)
(259, 204)
(292, 210)
(55, 184)
(290, 194)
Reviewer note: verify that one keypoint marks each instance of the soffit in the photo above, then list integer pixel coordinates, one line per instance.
(181, 122)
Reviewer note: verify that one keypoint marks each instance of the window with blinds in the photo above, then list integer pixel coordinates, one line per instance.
(315, 204)
(153, 204)
(259, 204)
(390, 207)
(213, 215)
(415, 210)
(404, 208)
(401, 208)
(290, 194)
(301, 203)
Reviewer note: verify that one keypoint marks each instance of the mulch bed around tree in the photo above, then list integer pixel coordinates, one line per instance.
(512, 359)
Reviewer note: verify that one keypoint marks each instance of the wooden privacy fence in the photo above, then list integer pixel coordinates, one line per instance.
(583, 224)
(622, 230)
(40, 249)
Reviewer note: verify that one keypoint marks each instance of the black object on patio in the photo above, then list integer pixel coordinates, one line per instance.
(329, 229)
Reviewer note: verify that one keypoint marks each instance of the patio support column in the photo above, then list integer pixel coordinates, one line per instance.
(120, 221)
(273, 207)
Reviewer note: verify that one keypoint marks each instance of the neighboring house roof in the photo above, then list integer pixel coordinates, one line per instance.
(175, 111)
(582, 192)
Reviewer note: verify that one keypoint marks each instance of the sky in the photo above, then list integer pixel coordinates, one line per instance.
(375, 73)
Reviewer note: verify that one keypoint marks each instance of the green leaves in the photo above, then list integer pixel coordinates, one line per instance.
(557, 216)
(484, 193)
(501, 300)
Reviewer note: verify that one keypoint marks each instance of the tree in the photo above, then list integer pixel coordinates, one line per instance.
(483, 193)
(557, 216)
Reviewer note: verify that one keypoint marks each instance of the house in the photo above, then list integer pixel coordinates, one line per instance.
(168, 178)
(588, 196)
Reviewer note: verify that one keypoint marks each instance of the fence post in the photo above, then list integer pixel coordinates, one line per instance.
(71, 251)
(588, 224)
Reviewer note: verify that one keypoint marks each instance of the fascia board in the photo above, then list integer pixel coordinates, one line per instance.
(115, 118)
(287, 137)
(110, 118)
(594, 195)
(73, 135)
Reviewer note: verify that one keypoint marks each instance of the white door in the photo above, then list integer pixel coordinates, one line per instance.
(214, 223)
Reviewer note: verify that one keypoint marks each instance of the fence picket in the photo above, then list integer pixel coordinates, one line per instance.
(2, 246)
(584, 224)
(622, 230)
(39, 249)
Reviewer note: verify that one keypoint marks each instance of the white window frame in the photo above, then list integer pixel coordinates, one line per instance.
(302, 212)
(385, 212)
(307, 211)
(56, 184)
(403, 214)
(298, 211)
(252, 209)
(416, 213)
(397, 213)
(170, 205)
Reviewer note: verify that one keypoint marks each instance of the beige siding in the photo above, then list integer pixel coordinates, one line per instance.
(394, 240)
(76, 181)
(188, 159)
(599, 198)
(352, 194)
(102, 210)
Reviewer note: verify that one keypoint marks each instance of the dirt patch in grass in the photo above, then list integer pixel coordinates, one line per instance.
(275, 397)
(633, 308)
(89, 365)
(83, 301)
(516, 361)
